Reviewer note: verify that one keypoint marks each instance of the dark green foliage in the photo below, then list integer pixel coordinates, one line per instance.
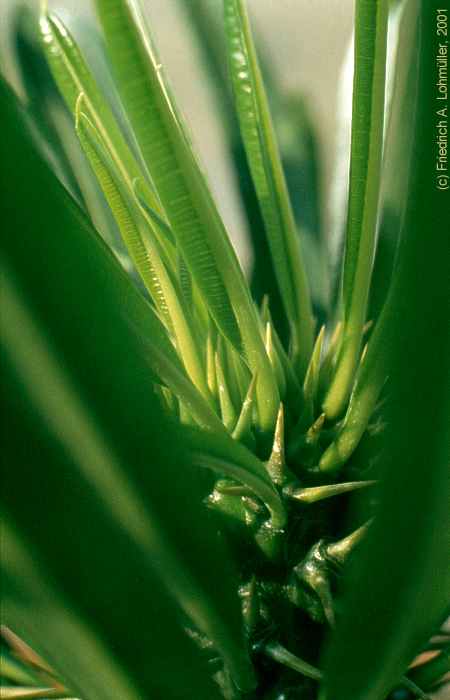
(161, 431)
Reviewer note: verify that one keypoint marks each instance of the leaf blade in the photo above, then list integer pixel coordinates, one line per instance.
(105, 364)
(264, 161)
(365, 167)
(405, 560)
(182, 190)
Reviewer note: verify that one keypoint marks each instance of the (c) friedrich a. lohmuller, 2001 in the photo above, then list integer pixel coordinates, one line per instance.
(442, 100)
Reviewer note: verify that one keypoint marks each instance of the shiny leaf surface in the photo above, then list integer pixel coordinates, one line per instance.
(183, 192)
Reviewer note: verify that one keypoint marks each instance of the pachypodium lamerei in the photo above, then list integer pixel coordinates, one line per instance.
(276, 415)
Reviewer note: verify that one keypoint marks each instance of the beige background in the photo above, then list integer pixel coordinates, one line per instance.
(305, 42)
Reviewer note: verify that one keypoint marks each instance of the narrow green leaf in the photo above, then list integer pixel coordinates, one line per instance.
(182, 387)
(227, 409)
(184, 195)
(227, 457)
(330, 358)
(79, 386)
(182, 320)
(365, 167)
(126, 218)
(73, 77)
(311, 382)
(168, 155)
(369, 382)
(268, 177)
(206, 22)
(146, 255)
(185, 279)
(58, 629)
(310, 387)
(403, 565)
(370, 379)
(211, 374)
(43, 100)
(237, 372)
(400, 88)
(235, 471)
(275, 360)
(293, 386)
(240, 373)
(52, 123)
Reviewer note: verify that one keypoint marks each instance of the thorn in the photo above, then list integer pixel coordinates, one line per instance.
(314, 431)
(305, 440)
(243, 429)
(319, 493)
(276, 465)
(339, 551)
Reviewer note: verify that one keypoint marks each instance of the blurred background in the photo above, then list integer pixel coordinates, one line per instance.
(303, 44)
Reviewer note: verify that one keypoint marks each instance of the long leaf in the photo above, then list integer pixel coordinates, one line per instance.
(183, 192)
(63, 634)
(365, 167)
(224, 455)
(146, 254)
(43, 101)
(73, 77)
(63, 435)
(403, 565)
(268, 177)
(373, 371)
(100, 469)
(401, 73)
